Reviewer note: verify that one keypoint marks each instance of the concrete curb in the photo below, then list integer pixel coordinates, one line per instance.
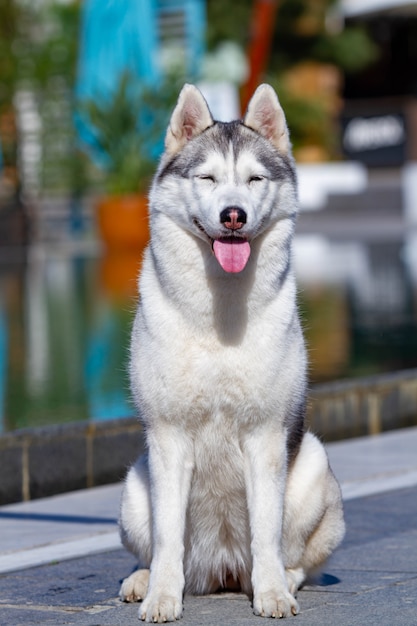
(363, 406)
(46, 461)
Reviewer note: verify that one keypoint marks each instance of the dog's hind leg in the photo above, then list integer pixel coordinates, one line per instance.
(135, 586)
(313, 513)
(135, 529)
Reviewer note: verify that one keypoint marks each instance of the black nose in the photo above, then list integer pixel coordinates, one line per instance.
(233, 217)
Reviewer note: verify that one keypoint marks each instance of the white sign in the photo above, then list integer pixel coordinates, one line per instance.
(371, 133)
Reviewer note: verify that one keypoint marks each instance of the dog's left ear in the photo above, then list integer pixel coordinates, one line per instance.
(190, 117)
(265, 115)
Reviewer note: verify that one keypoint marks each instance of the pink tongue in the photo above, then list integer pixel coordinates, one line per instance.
(232, 254)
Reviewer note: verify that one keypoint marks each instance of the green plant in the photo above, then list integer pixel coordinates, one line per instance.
(128, 130)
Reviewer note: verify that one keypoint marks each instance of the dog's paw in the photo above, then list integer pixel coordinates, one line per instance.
(160, 608)
(135, 587)
(275, 604)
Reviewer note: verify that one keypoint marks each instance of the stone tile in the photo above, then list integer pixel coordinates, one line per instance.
(387, 606)
(367, 457)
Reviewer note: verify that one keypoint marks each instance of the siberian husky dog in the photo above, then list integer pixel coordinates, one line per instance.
(232, 491)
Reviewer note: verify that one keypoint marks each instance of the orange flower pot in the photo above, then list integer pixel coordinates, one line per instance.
(123, 221)
(118, 272)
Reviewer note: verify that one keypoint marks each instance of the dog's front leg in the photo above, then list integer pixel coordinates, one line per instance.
(265, 475)
(170, 467)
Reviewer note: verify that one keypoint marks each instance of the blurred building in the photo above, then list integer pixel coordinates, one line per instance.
(380, 114)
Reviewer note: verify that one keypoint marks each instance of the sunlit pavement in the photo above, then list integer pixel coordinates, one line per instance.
(61, 560)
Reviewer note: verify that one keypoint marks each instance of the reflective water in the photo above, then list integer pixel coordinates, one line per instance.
(65, 320)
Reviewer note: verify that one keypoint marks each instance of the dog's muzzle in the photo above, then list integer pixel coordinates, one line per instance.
(232, 251)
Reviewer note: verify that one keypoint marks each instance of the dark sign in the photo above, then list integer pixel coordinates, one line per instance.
(376, 140)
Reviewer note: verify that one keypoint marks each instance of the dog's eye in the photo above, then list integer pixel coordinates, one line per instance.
(206, 177)
(255, 179)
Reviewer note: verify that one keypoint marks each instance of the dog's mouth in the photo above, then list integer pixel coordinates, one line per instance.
(232, 252)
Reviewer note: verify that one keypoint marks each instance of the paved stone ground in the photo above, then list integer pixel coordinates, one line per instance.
(371, 579)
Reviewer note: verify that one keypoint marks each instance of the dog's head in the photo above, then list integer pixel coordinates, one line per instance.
(226, 182)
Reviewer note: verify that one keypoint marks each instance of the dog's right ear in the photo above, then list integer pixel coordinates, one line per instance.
(190, 117)
(265, 115)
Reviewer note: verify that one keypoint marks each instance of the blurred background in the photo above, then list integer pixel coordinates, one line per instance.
(86, 89)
